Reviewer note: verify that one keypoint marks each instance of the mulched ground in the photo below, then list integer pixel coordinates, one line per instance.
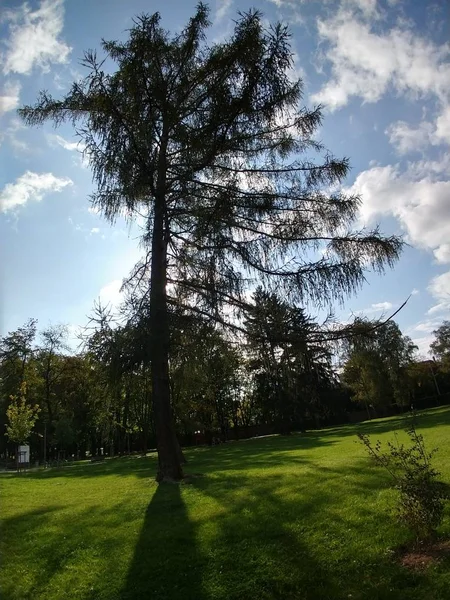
(420, 557)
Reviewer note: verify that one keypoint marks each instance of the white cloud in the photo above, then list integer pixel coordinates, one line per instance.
(223, 6)
(426, 326)
(406, 138)
(34, 38)
(410, 139)
(423, 345)
(30, 187)
(382, 306)
(418, 198)
(281, 3)
(95, 230)
(377, 307)
(367, 64)
(57, 140)
(424, 329)
(442, 131)
(368, 8)
(10, 133)
(439, 288)
(80, 158)
(443, 253)
(9, 97)
(439, 308)
(110, 293)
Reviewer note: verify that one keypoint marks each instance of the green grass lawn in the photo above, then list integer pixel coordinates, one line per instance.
(295, 517)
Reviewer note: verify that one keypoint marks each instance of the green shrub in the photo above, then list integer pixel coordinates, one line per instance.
(421, 495)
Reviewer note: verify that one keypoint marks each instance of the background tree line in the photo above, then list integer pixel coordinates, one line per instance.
(274, 376)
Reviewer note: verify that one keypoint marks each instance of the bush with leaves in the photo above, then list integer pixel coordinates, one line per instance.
(422, 496)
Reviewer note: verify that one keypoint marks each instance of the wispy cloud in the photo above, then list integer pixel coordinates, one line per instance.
(367, 63)
(58, 140)
(417, 198)
(34, 38)
(408, 138)
(223, 7)
(77, 147)
(439, 288)
(377, 307)
(10, 134)
(30, 187)
(423, 345)
(9, 97)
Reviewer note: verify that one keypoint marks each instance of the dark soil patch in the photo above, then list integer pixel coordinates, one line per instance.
(421, 556)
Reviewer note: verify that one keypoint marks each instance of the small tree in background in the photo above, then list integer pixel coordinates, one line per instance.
(21, 417)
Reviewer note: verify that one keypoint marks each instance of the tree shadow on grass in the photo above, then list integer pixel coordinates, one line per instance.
(245, 548)
(166, 563)
(70, 552)
(270, 543)
(13, 531)
(312, 534)
(268, 452)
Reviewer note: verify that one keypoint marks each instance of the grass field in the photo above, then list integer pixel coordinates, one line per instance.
(295, 517)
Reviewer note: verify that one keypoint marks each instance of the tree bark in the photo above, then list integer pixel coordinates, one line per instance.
(169, 467)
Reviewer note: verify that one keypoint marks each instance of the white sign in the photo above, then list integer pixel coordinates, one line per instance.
(24, 454)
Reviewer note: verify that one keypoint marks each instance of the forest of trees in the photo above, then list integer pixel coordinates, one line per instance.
(210, 144)
(274, 377)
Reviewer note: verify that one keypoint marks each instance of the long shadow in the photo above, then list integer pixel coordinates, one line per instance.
(271, 545)
(259, 452)
(283, 535)
(166, 561)
(261, 547)
(13, 531)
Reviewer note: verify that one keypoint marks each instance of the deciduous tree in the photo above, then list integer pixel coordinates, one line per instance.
(440, 347)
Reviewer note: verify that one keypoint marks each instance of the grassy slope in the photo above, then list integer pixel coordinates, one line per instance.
(302, 516)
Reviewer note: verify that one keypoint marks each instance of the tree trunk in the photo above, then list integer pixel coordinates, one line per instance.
(169, 467)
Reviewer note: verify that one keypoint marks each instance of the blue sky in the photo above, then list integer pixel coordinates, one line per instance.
(380, 67)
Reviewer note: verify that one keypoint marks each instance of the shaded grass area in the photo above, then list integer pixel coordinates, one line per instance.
(301, 516)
